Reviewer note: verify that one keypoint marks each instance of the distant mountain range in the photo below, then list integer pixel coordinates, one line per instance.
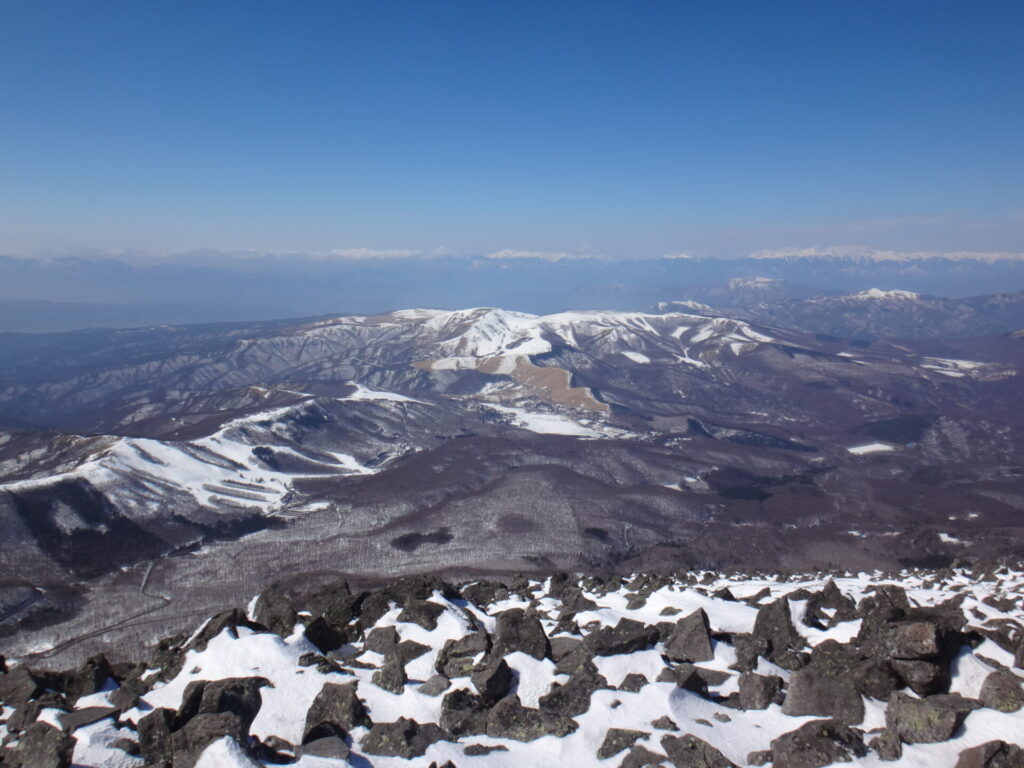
(873, 313)
(83, 293)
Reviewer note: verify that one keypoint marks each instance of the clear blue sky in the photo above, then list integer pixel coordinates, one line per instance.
(632, 129)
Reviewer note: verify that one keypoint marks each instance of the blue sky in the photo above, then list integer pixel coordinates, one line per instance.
(624, 129)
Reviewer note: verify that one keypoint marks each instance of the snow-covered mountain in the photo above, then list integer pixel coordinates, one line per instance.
(185, 466)
(871, 313)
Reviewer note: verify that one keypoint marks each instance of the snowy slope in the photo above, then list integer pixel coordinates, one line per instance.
(638, 687)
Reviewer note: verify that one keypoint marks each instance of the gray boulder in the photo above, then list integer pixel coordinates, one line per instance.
(41, 746)
(816, 691)
(274, 611)
(688, 751)
(403, 738)
(572, 697)
(492, 678)
(1002, 690)
(759, 691)
(516, 630)
(463, 713)
(509, 719)
(816, 744)
(690, 640)
(391, 676)
(992, 754)
(617, 740)
(774, 624)
(200, 732)
(458, 657)
(338, 705)
(928, 720)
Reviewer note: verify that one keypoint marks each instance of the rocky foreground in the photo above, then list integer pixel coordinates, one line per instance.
(701, 670)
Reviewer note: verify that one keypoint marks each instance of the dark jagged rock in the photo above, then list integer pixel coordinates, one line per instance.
(421, 612)
(759, 691)
(755, 599)
(435, 686)
(274, 611)
(484, 593)
(381, 640)
(641, 757)
(88, 678)
(992, 754)
(888, 603)
(1002, 690)
(688, 751)
(618, 739)
(338, 605)
(492, 678)
(748, 648)
(458, 657)
(887, 745)
(774, 625)
(407, 592)
(26, 714)
(18, 686)
(324, 636)
(830, 598)
(574, 601)
(323, 731)
(627, 636)
(402, 738)
(239, 696)
(516, 630)
(323, 664)
(155, 736)
(41, 746)
(128, 692)
(563, 646)
(691, 639)
(509, 719)
(869, 677)
(126, 745)
(917, 643)
(407, 650)
(572, 697)
(86, 716)
(874, 678)
(685, 676)
(815, 690)
(712, 676)
(633, 682)
(168, 657)
(816, 744)
(226, 621)
(927, 720)
(337, 704)
(665, 723)
(391, 676)
(759, 757)
(1006, 633)
(480, 750)
(198, 733)
(463, 713)
(333, 747)
(925, 678)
